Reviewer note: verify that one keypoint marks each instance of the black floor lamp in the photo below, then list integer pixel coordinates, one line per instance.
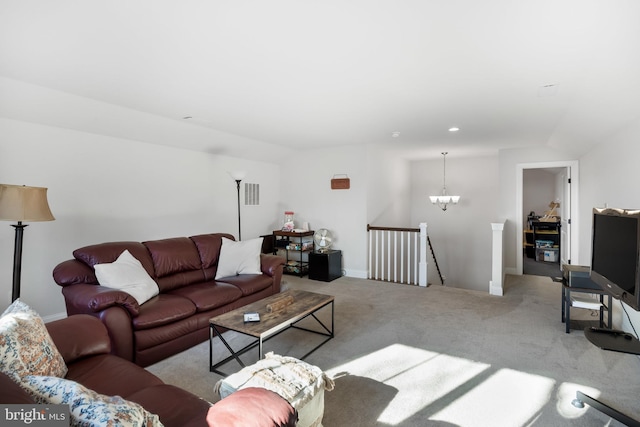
(22, 203)
(238, 176)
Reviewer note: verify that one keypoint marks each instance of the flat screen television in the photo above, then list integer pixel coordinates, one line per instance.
(615, 253)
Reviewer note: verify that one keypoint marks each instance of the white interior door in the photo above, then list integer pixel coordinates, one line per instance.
(565, 218)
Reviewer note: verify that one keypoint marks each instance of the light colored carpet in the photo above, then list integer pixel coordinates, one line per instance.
(441, 356)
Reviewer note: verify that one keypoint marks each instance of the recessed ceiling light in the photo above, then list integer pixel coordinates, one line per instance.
(454, 129)
(395, 134)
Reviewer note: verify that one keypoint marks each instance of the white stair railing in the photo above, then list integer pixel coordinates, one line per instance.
(398, 255)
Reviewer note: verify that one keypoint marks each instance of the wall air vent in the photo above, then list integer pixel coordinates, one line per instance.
(251, 194)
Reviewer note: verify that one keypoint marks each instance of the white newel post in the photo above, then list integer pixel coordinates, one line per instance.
(422, 273)
(495, 285)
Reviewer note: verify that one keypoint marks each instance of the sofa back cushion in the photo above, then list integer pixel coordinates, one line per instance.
(176, 262)
(108, 252)
(209, 250)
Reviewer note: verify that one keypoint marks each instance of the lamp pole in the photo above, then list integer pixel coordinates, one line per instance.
(238, 176)
(17, 260)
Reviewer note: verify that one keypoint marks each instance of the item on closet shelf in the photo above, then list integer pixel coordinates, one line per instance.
(544, 243)
(552, 214)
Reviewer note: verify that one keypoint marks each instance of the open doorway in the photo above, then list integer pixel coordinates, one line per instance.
(542, 199)
(537, 182)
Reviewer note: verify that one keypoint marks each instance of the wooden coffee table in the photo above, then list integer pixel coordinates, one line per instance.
(304, 304)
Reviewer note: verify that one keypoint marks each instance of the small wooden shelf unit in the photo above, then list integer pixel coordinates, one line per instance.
(296, 246)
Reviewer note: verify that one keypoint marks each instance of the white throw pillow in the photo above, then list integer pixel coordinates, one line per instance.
(26, 348)
(127, 274)
(239, 257)
(86, 407)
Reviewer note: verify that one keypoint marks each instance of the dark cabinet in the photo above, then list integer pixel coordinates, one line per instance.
(325, 266)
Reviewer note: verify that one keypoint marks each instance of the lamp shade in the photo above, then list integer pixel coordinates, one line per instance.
(22, 203)
(237, 175)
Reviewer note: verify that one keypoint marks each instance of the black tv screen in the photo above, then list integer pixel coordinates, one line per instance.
(614, 253)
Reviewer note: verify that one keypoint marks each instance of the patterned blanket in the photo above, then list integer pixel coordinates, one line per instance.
(293, 379)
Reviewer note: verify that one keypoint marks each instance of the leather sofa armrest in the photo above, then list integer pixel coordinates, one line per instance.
(270, 264)
(12, 393)
(252, 406)
(79, 336)
(84, 298)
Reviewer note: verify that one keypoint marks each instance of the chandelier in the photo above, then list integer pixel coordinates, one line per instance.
(444, 199)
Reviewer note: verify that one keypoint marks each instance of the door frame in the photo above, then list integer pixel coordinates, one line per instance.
(574, 165)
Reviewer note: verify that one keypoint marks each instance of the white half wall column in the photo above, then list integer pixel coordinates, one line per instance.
(422, 275)
(497, 260)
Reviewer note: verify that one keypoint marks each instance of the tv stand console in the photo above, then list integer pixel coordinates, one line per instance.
(613, 340)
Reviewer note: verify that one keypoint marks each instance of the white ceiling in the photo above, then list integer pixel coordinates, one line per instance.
(303, 73)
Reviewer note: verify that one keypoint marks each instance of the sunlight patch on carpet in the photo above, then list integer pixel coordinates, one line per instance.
(456, 390)
(421, 377)
(507, 398)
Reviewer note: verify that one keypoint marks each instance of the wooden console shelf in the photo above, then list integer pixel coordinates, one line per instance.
(297, 246)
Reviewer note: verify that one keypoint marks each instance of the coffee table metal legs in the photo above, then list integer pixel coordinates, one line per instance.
(329, 333)
(234, 354)
(213, 332)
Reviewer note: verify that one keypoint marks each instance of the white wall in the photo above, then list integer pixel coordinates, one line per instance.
(106, 189)
(306, 190)
(461, 235)
(609, 174)
(389, 188)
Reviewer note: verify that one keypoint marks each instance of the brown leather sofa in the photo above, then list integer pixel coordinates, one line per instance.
(178, 318)
(84, 344)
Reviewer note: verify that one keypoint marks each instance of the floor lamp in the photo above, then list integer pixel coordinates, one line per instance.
(238, 176)
(22, 203)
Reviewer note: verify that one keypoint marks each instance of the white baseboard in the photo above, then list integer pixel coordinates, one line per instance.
(358, 274)
(495, 289)
(511, 270)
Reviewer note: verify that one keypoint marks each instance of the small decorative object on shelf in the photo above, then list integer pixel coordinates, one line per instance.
(301, 246)
(288, 224)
